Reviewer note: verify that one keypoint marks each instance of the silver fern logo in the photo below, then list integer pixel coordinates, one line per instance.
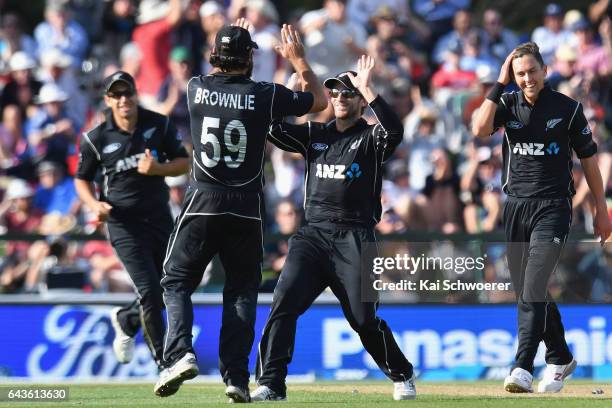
(552, 123)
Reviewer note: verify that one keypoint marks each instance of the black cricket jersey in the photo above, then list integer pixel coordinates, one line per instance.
(116, 154)
(344, 169)
(538, 143)
(230, 119)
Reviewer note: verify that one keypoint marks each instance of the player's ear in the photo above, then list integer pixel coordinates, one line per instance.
(107, 101)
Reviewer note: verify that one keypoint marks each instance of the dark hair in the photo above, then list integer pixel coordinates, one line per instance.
(226, 63)
(528, 48)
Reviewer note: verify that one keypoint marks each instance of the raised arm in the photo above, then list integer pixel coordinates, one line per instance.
(484, 119)
(292, 49)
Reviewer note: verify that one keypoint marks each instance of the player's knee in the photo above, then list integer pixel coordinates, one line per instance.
(151, 298)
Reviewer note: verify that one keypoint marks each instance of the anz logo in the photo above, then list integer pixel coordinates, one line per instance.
(536, 149)
(338, 171)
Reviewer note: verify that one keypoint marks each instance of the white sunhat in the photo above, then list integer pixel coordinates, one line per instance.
(55, 58)
(210, 8)
(265, 7)
(152, 10)
(18, 188)
(20, 61)
(51, 93)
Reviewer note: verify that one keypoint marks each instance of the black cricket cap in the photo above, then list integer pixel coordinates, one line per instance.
(342, 79)
(119, 76)
(234, 41)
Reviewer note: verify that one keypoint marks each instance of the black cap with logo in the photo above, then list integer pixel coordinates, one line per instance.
(234, 41)
(119, 76)
(341, 79)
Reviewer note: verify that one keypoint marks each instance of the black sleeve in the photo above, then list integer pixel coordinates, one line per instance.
(389, 131)
(291, 138)
(89, 160)
(501, 113)
(580, 135)
(285, 102)
(173, 148)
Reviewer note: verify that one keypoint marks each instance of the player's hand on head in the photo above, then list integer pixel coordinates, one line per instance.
(291, 46)
(504, 72)
(147, 165)
(243, 23)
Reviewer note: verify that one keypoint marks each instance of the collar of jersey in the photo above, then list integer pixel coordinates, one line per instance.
(359, 125)
(110, 123)
(544, 93)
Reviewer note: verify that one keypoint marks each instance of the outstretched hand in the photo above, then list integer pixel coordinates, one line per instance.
(243, 23)
(291, 47)
(362, 80)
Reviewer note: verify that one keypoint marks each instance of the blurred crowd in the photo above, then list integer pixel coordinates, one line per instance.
(436, 61)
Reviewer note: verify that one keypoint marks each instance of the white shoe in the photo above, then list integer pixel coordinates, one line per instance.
(237, 394)
(552, 381)
(123, 345)
(519, 380)
(265, 393)
(171, 378)
(404, 390)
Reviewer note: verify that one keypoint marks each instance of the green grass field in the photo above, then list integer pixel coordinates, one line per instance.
(337, 394)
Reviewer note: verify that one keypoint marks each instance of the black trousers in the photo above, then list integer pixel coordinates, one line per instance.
(536, 231)
(195, 240)
(140, 244)
(318, 258)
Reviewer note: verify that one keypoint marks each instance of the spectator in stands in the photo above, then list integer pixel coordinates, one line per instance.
(594, 59)
(332, 41)
(22, 87)
(473, 54)
(287, 221)
(57, 69)
(360, 11)
(288, 175)
(52, 130)
(172, 97)
(264, 21)
(497, 41)
(552, 34)
(212, 18)
(59, 30)
(107, 274)
(156, 19)
(462, 25)
(19, 215)
(13, 39)
(188, 33)
(451, 74)
(481, 191)
(439, 15)
(563, 68)
(444, 212)
(421, 145)
(118, 23)
(13, 146)
(130, 60)
(56, 193)
(178, 186)
(486, 79)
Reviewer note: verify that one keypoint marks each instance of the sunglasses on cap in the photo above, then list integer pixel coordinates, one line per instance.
(347, 93)
(128, 93)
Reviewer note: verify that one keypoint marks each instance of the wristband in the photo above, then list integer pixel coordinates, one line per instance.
(496, 92)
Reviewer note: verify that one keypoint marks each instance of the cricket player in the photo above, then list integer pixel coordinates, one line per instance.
(542, 128)
(342, 203)
(222, 212)
(134, 149)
